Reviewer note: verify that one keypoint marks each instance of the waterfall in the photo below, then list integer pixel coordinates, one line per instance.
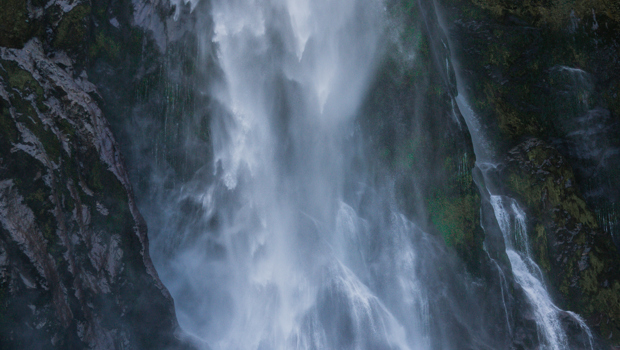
(293, 238)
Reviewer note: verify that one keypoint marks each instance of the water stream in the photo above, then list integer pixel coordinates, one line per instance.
(512, 224)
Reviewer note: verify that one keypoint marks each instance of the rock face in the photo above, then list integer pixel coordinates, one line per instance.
(74, 260)
(543, 79)
(75, 270)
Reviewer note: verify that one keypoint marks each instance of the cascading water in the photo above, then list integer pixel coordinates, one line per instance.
(292, 271)
(528, 275)
(295, 240)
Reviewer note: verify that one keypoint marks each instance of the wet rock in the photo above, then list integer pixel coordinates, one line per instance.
(578, 257)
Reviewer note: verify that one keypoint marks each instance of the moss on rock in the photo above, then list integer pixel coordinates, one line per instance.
(73, 29)
(456, 219)
(104, 45)
(558, 13)
(16, 26)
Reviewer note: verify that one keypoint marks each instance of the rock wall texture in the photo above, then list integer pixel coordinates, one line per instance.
(75, 270)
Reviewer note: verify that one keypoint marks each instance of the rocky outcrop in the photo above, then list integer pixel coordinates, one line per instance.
(548, 70)
(75, 270)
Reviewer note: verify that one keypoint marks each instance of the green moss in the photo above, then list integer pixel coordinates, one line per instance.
(523, 185)
(101, 180)
(38, 200)
(609, 299)
(8, 129)
(27, 114)
(48, 139)
(27, 173)
(556, 192)
(582, 267)
(94, 176)
(512, 63)
(456, 219)
(589, 278)
(577, 208)
(552, 188)
(16, 28)
(556, 14)
(73, 28)
(513, 123)
(499, 55)
(21, 81)
(600, 299)
(26, 111)
(104, 45)
(565, 284)
(66, 128)
(497, 102)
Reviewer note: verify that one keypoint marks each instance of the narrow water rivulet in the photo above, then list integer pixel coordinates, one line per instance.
(302, 241)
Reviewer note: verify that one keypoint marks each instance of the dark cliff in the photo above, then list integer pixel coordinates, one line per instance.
(75, 270)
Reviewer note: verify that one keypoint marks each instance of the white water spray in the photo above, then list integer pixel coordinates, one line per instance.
(294, 75)
(293, 246)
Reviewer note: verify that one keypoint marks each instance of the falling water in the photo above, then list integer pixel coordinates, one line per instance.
(283, 263)
(294, 74)
(528, 275)
(293, 240)
(511, 220)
